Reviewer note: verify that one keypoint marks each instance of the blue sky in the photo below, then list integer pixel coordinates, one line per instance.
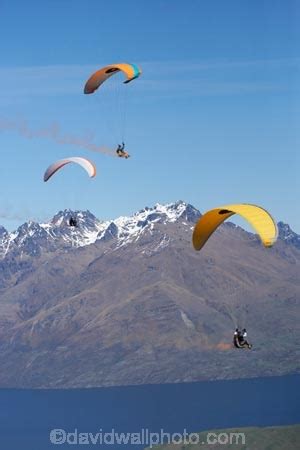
(212, 120)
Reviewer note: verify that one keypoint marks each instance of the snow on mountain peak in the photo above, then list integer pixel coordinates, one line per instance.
(32, 237)
(128, 228)
(171, 211)
(288, 235)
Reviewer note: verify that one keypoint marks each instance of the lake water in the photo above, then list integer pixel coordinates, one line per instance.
(28, 416)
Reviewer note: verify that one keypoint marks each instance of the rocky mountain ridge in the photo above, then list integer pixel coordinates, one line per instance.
(129, 301)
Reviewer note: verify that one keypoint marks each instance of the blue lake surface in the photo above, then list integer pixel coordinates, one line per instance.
(28, 416)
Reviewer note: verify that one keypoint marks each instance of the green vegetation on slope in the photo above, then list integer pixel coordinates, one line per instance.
(269, 438)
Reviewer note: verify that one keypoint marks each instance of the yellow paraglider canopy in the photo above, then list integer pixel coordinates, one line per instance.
(259, 219)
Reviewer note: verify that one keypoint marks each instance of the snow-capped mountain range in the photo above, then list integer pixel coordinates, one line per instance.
(32, 237)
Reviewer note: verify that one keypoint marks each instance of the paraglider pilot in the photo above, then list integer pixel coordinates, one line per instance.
(239, 339)
(120, 149)
(72, 222)
(244, 338)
